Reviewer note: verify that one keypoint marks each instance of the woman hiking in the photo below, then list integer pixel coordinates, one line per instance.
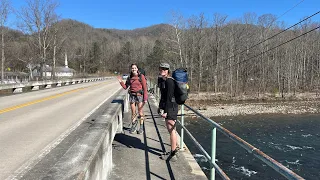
(168, 109)
(138, 95)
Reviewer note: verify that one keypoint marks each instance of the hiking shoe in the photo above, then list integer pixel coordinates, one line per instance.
(140, 131)
(169, 156)
(133, 127)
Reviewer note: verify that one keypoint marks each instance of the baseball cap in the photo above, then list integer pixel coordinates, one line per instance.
(164, 65)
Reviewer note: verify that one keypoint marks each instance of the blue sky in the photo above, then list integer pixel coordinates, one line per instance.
(131, 14)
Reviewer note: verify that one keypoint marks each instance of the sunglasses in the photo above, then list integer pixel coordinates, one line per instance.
(163, 69)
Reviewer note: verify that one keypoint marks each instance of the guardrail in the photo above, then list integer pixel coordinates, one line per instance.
(287, 173)
(35, 85)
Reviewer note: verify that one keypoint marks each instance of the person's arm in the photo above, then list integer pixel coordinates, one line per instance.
(170, 94)
(144, 88)
(161, 101)
(124, 86)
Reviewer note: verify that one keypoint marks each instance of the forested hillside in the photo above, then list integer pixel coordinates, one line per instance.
(253, 53)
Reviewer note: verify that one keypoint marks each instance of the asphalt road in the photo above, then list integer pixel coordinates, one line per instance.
(31, 124)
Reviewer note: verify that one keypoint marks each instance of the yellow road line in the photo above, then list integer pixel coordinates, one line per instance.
(44, 99)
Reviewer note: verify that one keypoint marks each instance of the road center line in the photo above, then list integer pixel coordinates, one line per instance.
(44, 99)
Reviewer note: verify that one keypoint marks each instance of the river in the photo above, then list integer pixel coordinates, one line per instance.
(292, 140)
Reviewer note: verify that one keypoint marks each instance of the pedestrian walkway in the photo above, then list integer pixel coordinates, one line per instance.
(136, 156)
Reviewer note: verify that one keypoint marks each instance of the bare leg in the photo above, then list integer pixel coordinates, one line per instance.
(133, 111)
(140, 110)
(171, 126)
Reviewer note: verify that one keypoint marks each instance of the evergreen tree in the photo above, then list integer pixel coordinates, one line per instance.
(156, 57)
(124, 57)
(94, 58)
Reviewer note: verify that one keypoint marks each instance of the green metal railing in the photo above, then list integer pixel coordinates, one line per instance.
(214, 167)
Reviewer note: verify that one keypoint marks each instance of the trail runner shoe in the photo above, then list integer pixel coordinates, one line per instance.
(170, 156)
(140, 131)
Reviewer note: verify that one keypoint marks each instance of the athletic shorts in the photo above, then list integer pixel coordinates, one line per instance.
(172, 114)
(135, 98)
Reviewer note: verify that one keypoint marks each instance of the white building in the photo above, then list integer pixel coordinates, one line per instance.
(59, 71)
(14, 77)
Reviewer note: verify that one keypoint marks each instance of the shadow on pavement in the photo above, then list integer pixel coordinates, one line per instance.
(133, 142)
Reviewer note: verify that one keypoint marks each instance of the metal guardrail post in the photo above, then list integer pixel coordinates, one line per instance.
(182, 130)
(155, 90)
(126, 103)
(158, 93)
(150, 84)
(213, 152)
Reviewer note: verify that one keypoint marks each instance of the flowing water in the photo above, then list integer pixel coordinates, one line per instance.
(292, 140)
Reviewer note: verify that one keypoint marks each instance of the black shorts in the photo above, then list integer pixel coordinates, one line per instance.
(172, 114)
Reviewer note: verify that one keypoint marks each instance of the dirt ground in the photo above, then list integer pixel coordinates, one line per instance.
(220, 104)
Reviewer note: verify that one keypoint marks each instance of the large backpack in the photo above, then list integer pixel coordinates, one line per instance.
(142, 71)
(180, 77)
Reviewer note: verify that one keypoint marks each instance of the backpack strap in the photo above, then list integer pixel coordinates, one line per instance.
(128, 82)
(140, 79)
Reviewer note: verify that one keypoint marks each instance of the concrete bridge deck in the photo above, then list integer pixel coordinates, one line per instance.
(136, 156)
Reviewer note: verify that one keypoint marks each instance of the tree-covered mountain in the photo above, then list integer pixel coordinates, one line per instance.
(251, 54)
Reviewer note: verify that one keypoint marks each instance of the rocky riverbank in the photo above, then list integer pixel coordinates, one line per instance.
(210, 107)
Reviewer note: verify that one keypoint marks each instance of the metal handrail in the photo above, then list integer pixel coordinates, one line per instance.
(198, 145)
(251, 149)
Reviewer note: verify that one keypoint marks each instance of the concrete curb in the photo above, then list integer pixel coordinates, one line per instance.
(196, 169)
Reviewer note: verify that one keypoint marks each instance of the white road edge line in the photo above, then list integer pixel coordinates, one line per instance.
(33, 161)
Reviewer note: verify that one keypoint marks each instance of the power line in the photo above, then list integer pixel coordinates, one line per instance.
(280, 15)
(272, 48)
(287, 11)
(270, 37)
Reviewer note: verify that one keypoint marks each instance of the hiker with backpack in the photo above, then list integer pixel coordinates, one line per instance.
(137, 95)
(168, 108)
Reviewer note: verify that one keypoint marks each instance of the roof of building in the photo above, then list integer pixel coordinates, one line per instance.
(58, 69)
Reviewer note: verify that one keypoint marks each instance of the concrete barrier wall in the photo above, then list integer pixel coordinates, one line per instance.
(96, 147)
(90, 157)
(17, 87)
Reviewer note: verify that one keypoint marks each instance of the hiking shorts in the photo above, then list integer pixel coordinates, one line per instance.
(172, 114)
(135, 98)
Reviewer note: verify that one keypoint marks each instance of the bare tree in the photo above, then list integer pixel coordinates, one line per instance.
(217, 27)
(175, 39)
(4, 10)
(37, 17)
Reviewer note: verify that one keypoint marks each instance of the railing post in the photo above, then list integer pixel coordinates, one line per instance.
(155, 91)
(126, 103)
(150, 84)
(158, 93)
(182, 130)
(213, 152)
